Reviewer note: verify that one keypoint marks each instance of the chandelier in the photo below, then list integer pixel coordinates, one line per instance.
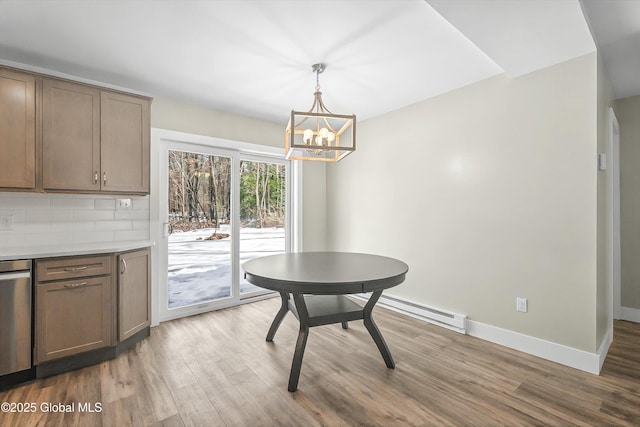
(318, 134)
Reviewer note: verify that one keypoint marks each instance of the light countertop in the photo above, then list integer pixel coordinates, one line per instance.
(7, 254)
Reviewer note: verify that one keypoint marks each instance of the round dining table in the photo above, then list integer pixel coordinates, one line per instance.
(313, 285)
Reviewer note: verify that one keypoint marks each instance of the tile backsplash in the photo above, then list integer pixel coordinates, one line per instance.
(52, 219)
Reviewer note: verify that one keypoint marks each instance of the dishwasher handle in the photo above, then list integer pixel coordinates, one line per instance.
(16, 275)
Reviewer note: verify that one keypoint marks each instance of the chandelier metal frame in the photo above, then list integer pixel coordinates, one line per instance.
(327, 137)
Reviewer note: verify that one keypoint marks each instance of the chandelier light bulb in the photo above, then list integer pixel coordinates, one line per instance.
(323, 133)
(331, 136)
(308, 135)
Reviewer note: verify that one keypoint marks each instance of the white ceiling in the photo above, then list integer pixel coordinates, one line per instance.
(616, 26)
(254, 57)
(521, 35)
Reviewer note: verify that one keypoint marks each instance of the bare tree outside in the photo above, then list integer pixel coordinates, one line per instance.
(262, 194)
(200, 196)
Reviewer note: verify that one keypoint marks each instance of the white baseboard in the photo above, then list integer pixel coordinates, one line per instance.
(604, 348)
(630, 314)
(565, 355)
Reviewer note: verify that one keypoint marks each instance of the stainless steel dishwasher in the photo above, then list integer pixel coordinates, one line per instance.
(15, 316)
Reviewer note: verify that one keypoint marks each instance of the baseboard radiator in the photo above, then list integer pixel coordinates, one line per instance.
(453, 321)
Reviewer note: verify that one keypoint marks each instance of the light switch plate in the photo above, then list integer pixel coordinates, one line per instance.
(602, 162)
(6, 222)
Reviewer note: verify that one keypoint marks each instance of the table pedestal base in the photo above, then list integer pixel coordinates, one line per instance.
(317, 310)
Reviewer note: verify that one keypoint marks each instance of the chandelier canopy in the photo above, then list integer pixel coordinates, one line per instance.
(318, 134)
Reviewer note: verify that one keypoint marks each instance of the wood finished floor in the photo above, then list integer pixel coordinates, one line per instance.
(217, 370)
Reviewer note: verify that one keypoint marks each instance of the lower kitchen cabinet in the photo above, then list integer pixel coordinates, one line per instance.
(89, 308)
(72, 316)
(134, 277)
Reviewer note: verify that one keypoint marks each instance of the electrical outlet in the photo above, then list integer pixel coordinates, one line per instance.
(124, 203)
(6, 222)
(521, 304)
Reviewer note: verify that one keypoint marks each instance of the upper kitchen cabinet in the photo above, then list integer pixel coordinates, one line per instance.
(17, 130)
(58, 135)
(94, 140)
(124, 153)
(70, 136)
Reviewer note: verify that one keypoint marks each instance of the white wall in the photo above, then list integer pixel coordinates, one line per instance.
(314, 207)
(179, 116)
(488, 193)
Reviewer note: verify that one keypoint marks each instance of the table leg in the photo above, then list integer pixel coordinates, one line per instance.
(296, 365)
(284, 309)
(375, 332)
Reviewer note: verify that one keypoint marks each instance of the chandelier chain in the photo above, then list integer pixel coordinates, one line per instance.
(317, 80)
(318, 68)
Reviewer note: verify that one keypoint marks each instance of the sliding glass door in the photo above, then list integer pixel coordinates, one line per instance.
(222, 208)
(199, 246)
(263, 202)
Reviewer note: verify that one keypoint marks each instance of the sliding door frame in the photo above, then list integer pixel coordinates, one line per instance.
(162, 142)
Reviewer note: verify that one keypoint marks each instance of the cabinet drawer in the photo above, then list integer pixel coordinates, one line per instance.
(72, 267)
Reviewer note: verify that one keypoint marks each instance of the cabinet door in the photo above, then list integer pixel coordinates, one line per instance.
(133, 293)
(70, 136)
(72, 317)
(125, 129)
(17, 130)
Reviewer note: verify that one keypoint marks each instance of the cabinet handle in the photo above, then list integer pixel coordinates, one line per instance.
(75, 285)
(104, 178)
(124, 265)
(95, 178)
(84, 267)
